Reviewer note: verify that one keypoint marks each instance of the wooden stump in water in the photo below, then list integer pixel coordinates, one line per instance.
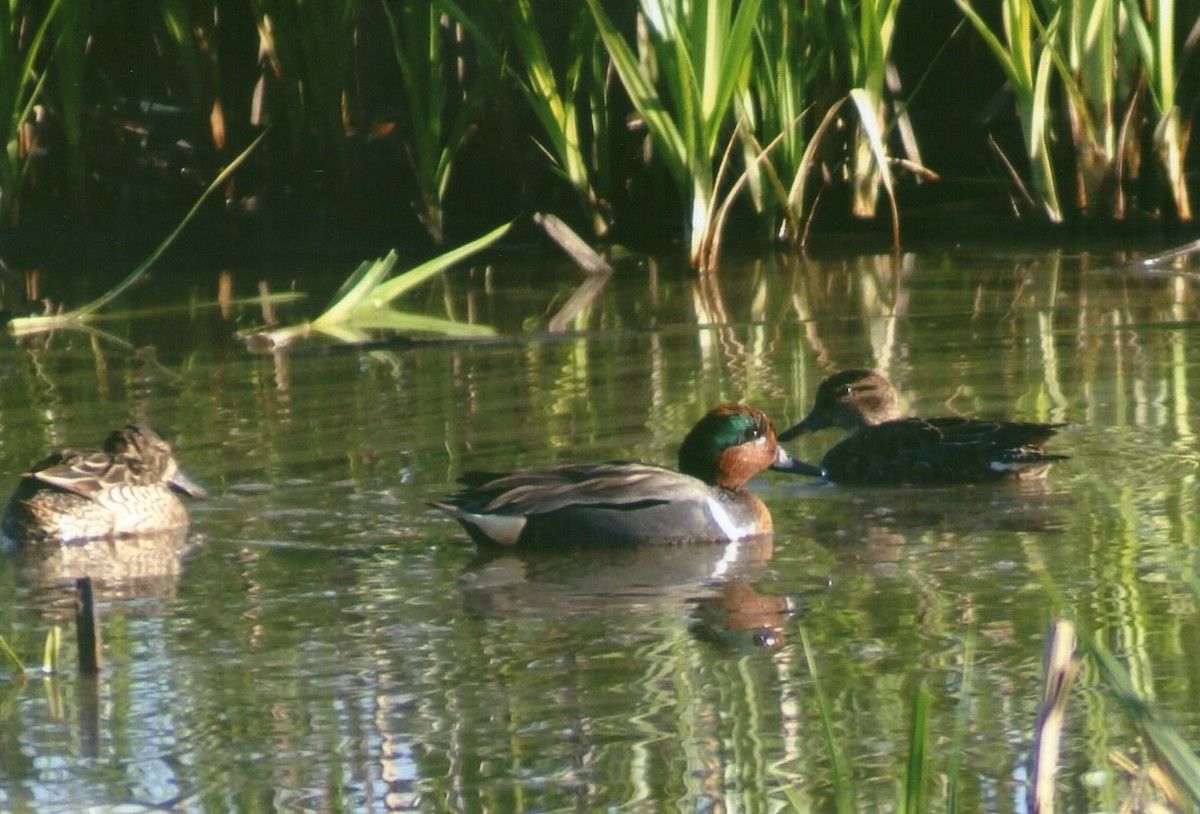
(87, 631)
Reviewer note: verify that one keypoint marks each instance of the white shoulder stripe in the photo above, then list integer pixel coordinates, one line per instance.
(720, 516)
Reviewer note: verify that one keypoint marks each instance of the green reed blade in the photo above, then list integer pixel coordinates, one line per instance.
(673, 148)
(136, 274)
(428, 94)
(842, 781)
(702, 51)
(356, 289)
(916, 773)
(11, 657)
(20, 89)
(70, 51)
(554, 106)
(1172, 750)
(390, 290)
(1026, 57)
(403, 322)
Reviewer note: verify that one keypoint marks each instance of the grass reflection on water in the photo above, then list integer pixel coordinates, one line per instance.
(332, 642)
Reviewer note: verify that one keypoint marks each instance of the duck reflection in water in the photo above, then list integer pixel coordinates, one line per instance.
(742, 618)
(560, 582)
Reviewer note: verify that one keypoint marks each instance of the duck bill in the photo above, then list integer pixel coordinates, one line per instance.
(811, 423)
(786, 463)
(183, 484)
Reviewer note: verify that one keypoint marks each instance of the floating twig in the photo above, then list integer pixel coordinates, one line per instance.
(1186, 250)
(576, 247)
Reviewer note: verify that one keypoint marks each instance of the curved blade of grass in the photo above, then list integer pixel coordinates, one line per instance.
(136, 274)
(1003, 58)
(20, 113)
(808, 160)
(27, 324)
(390, 290)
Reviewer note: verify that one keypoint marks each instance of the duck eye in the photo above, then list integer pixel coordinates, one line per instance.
(846, 392)
(753, 433)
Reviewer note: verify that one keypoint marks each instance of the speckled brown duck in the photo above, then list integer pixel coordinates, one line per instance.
(129, 486)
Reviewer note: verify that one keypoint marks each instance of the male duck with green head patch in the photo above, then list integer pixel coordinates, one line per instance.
(621, 504)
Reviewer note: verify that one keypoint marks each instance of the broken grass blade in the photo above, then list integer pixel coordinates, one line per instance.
(866, 115)
(1059, 669)
(50, 651)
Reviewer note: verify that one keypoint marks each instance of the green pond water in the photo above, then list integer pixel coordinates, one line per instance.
(328, 641)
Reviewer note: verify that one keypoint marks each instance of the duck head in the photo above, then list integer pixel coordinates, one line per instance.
(147, 455)
(851, 399)
(730, 445)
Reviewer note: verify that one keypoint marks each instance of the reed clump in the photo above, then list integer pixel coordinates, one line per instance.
(626, 118)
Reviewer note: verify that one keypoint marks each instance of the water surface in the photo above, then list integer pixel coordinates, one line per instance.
(327, 641)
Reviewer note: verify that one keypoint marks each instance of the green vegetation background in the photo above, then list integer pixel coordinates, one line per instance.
(423, 122)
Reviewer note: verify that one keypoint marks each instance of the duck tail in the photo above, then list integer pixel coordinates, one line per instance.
(1025, 461)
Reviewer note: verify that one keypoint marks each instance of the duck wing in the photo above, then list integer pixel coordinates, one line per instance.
(990, 434)
(538, 491)
(948, 449)
(81, 472)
